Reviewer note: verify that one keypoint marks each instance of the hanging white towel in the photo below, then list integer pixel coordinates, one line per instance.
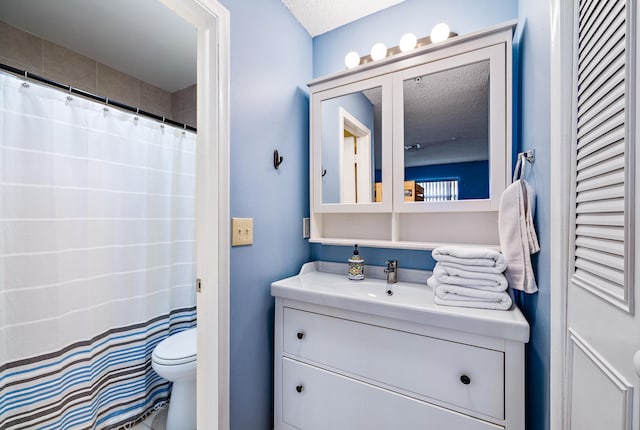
(452, 295)
(473, 259)
(447, 274)
(518, 238)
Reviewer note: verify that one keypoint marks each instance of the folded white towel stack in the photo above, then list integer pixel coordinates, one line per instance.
(470, 277)
(472, 259)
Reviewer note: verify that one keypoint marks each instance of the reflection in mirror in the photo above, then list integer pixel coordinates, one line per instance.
(351, 147)
(446, 134)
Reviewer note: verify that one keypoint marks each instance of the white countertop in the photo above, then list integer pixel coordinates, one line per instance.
(411, 301)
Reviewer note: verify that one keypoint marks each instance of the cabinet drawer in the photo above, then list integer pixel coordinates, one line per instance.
(458, 374)
(314, 399)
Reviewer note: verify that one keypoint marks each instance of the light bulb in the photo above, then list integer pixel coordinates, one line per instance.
(439, 33)
(378, 51)
(408, 42)
(351, 60)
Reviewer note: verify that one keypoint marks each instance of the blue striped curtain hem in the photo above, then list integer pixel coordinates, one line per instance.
(101, 383)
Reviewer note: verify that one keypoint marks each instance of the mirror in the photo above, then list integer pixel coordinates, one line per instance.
(352, 147)
(446, 134)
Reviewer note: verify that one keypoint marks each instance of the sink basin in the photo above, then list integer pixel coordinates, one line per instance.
(411, 301)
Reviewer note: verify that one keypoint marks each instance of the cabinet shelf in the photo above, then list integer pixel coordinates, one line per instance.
(427, 246)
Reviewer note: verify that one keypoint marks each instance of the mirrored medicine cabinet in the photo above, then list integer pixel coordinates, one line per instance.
(414, 151)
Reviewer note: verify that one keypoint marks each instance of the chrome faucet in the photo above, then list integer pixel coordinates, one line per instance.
(391, 271)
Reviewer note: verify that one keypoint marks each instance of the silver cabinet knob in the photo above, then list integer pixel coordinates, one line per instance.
(636, 362)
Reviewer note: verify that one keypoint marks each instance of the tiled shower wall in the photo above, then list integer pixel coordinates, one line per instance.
(183, 105)
(29, 52)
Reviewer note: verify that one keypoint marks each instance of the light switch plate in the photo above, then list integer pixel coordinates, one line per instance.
(241, 231)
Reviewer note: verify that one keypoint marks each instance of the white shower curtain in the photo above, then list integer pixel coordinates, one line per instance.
(97, 257)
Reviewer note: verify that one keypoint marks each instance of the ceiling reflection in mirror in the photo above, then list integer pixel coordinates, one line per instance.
(446, 134)
(352, 147)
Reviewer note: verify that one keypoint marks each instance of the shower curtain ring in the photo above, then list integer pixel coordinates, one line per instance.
(135, 118)
(106, 104)
(25, 83)
(69, 98)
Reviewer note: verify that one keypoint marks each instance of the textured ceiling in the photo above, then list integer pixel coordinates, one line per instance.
(320, 16)
(447, 114)
(139, 37)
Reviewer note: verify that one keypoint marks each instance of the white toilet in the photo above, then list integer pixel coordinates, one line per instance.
(175, 360)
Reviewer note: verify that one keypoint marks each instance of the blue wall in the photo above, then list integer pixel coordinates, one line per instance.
(533, 47)
(271, 63)
(269, 110)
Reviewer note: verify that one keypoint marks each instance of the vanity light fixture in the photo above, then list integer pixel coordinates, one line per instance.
(440, 33)
(351, 60)
(378, 51)
(408, 42)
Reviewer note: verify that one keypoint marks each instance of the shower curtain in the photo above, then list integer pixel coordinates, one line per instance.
(97, 243)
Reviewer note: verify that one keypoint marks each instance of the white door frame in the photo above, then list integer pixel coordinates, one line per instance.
(561, 48)
(212, 207)
(348, 122)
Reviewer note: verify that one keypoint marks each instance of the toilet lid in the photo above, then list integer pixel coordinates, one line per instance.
(177, 348)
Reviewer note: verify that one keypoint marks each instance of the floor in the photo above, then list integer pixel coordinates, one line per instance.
(155, 421)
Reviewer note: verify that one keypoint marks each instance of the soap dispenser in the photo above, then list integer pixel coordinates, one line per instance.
(356, 266)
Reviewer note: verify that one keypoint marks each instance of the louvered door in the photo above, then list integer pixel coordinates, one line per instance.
(603, 331)
(602, 170)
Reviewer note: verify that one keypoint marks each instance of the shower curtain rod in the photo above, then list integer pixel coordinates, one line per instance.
(28, 75)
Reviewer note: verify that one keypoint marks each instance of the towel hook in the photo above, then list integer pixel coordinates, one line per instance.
(528, 156)
(277, 159)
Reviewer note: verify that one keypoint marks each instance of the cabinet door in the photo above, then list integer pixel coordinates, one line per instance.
(314, 399)
(451, 132)
(351, 147)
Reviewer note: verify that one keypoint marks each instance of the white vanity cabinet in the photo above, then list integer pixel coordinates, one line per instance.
(414, 151)
(347, 356)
